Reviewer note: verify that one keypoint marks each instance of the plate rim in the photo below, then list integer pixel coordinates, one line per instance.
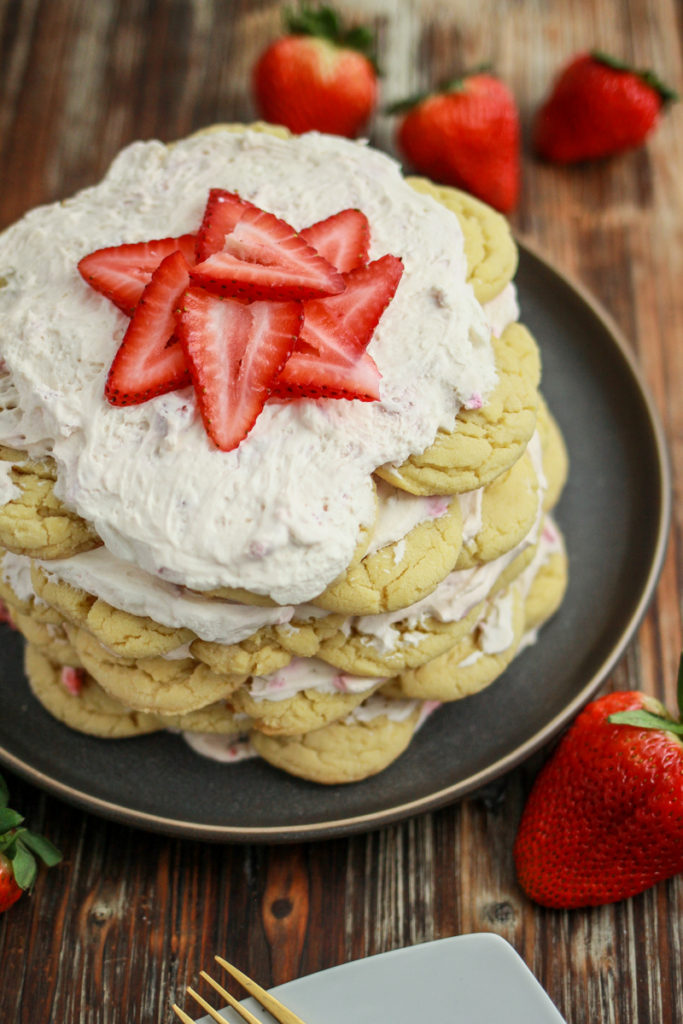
(368, 821)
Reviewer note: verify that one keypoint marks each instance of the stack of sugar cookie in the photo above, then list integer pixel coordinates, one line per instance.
(312, 594)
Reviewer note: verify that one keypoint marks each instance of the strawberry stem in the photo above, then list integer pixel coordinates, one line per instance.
(457, 84)
(648, 76)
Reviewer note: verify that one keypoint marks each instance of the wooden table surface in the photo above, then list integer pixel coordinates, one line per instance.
(126, 922)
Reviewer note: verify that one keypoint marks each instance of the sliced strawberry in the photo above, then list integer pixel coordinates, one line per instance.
(357, 310)
(311, 375)
(222, 212)
(264, 258)
(150, 361)
(121, 272)
(343, 239)
(235, 352)
(326, 363)
(329, 359)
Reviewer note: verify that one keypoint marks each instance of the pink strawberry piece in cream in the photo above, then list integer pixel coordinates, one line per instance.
(437, 506)
(550, 534)
(6, 615)
(72, 680)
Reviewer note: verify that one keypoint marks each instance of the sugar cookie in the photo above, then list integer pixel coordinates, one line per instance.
(485, 441)
(347, 751)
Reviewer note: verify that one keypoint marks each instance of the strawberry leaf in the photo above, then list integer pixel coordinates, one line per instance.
(24, 866)
(4, 793)
(310, 21)
(9, 819)
(325, 23)
(679, 693)
(646, 720)
(47, 851)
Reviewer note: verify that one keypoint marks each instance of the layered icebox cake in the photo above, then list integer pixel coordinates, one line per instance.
(276, 471)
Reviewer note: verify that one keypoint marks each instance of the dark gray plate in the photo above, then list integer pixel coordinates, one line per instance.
(614, 513)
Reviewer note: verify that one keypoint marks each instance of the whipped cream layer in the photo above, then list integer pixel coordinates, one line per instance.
(308, 674)
(503, 309)
(281, 514)
(229, 749)
(382, 707)
(8, 489)
(399, 512)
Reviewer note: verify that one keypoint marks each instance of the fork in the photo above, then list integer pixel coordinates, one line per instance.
(276, 1009)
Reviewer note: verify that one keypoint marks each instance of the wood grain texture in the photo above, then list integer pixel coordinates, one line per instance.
(117, 932)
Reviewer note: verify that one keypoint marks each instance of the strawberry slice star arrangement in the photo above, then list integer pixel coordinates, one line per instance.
(246, 310)
(604, 819)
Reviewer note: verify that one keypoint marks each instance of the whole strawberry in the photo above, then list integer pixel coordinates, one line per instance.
(18, 846)
(318, 77)
(467, 135)
(604, 819)
(598, 106)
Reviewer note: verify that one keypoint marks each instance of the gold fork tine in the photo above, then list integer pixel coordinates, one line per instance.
(268, 1001)
(182, 1015)
(224, 994)
(214, 1014)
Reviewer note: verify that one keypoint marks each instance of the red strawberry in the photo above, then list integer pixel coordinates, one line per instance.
(264, 258)
(319, 77)
(343, 239)
(150, 360)
(598, 106)
(604, 819)
(466, 135)
(235, 351)
(329, 359)
(10, 890)
(222, 212)
(18, 851)
(121, 272)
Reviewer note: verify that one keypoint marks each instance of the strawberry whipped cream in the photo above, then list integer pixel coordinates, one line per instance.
(308, 674)
(281, 514)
